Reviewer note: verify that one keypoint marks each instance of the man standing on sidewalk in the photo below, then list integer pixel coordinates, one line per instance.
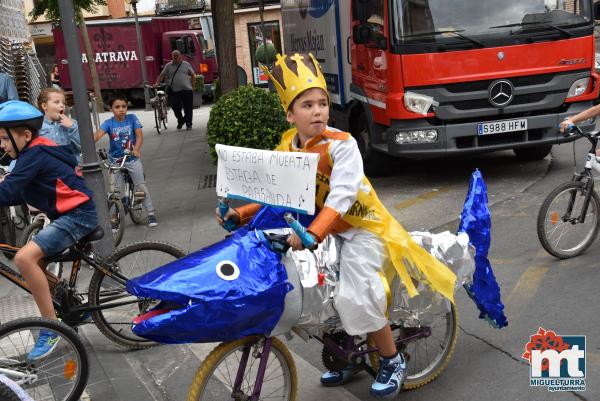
(180, 79)
(8, 91)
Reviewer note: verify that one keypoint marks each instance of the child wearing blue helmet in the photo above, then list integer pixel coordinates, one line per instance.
(47, 178)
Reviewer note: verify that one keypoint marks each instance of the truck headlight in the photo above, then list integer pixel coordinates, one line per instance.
(418, 103)
(420, 136)
(578, 88)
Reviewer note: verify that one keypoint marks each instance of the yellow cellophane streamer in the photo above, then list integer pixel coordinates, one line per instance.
(408, 259)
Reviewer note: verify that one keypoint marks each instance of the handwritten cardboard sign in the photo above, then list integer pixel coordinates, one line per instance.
(285, 179)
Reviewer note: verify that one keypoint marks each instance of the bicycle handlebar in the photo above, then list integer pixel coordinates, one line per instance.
(118, 163)
(574, 130)
(307, 240)
(278, 241)
(228, 225)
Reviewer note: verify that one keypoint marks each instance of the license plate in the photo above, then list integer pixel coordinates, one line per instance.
(499, 127)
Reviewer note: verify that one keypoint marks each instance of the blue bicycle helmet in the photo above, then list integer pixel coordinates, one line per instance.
(16, 113)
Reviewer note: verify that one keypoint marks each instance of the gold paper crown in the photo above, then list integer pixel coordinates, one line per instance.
(294, 84)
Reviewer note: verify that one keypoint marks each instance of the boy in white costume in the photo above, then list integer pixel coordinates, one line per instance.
(349, 208)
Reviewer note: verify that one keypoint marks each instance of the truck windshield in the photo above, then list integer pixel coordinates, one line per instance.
(415, 21)
(208, 48)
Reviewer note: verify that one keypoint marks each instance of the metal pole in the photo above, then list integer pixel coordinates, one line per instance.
(140, 41)
(92, 170)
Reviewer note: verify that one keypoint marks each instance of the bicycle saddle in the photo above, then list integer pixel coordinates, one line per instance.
(95, 235)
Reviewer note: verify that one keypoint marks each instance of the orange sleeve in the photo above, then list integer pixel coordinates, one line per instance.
(246, 212)
(324, 223)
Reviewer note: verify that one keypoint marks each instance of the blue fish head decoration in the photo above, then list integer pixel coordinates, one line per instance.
(232, 289)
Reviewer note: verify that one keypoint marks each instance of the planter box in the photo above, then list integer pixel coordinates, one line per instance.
(197, 99)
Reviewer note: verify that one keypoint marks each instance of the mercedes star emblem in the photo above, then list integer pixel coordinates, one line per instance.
(500, 56)
(501, 93)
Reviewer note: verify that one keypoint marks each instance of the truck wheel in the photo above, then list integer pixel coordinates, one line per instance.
(534, 153)
(374, 163)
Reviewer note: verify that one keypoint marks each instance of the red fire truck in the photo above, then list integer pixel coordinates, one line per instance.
(427, 78)
(115, 47)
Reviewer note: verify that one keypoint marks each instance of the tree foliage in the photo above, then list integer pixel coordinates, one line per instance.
(50, 8)
(248, 117)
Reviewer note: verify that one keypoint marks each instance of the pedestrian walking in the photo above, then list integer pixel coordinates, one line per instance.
(180, 78)
(8, 90)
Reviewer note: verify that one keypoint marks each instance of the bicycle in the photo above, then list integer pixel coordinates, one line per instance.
(261, 367)
(567, 223)
(159, 104)
(110, 306)
(59, 376)
(132, 201)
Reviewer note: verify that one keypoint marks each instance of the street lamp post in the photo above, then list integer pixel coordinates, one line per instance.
(141, 52)
(92, 171)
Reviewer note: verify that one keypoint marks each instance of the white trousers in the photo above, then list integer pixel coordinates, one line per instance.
(360, 297)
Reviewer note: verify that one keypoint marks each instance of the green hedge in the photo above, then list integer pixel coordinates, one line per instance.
(248, 117)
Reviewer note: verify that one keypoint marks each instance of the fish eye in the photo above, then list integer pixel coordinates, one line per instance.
(228, 270)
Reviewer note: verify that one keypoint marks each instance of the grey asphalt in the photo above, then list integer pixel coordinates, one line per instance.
(422, 195)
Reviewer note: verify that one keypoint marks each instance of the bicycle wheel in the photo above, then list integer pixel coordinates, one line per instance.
(426, 357)
(157, 118)
(29, 232)
(559, 226)
(214, 379)
(136, 213)
(131, 261)
(9, 393)
(136, 207)
(116, 214)
(165, 114)
(59, 376)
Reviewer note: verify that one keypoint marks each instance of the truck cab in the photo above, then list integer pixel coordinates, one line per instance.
(194, 49)
(431, 78)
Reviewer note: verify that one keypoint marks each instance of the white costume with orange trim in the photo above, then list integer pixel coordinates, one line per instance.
(360, 296)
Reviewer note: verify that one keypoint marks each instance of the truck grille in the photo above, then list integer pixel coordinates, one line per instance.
(466, 100)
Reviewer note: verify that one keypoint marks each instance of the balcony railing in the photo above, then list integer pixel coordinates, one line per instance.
(180, 6)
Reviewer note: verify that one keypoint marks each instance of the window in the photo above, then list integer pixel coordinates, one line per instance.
(272, 35)
(187, 45)
(376, 23)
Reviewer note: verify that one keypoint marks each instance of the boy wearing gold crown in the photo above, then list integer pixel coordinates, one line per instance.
(349, 208)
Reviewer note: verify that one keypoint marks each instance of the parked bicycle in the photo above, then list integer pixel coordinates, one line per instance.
(159, 104)
(59, 376)
(130, 201)
(567, 222)
(110, 306)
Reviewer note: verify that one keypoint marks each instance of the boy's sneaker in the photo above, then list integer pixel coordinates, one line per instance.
(389, 379)
(45, 344)
(152, 220)
(332, 379)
